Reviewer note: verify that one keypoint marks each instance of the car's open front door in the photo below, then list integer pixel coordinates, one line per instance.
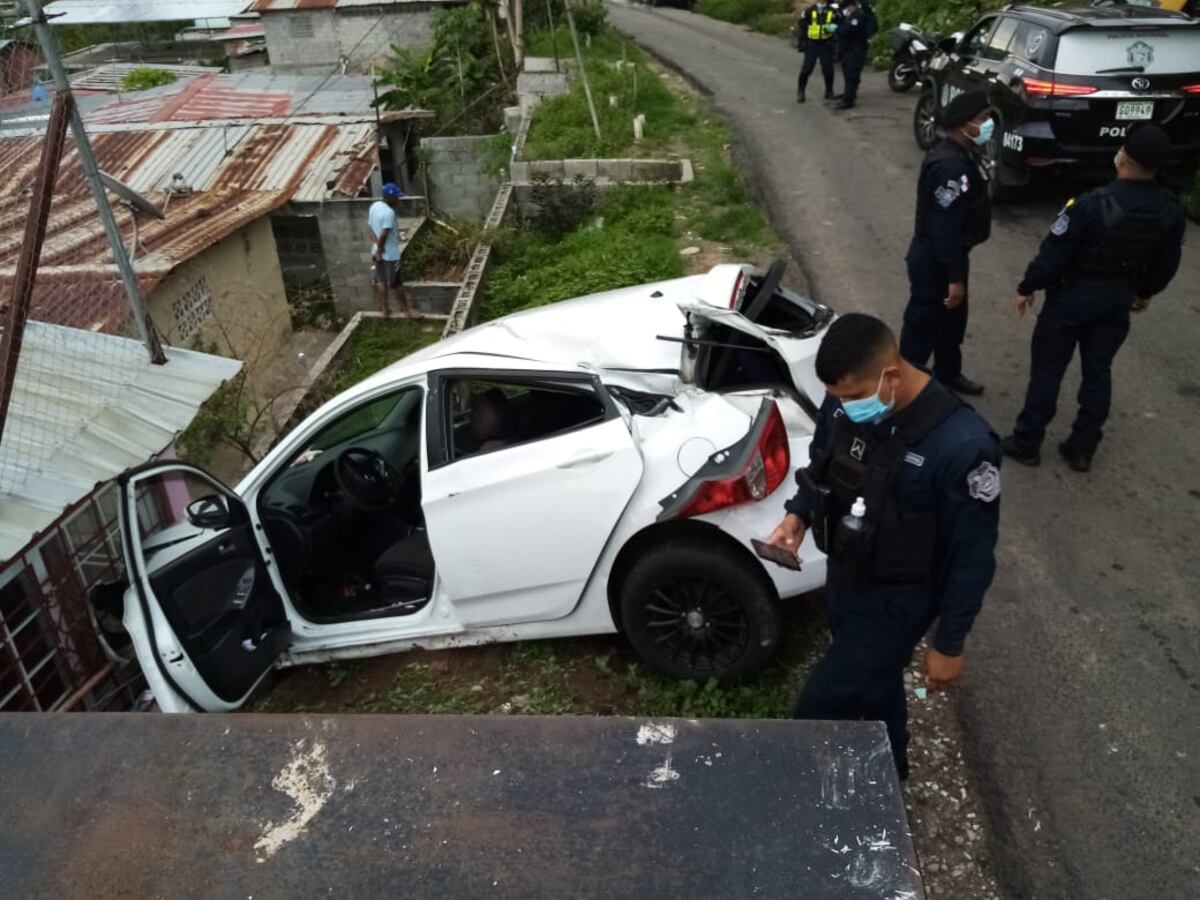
(205, 616)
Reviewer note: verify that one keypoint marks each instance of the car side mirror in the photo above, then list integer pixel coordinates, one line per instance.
(948, 45)
(211, 511)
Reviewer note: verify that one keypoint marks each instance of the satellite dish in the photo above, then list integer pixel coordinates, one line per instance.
(133, 198)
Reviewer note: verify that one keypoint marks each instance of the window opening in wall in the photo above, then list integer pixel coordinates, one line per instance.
(192, 309)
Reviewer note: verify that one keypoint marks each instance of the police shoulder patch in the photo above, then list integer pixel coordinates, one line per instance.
(983, 482)
(1060, 225)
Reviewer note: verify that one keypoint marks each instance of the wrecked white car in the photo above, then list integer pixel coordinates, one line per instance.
(595, 466)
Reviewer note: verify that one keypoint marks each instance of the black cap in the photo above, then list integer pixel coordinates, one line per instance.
(964, 108)
(1148, 145)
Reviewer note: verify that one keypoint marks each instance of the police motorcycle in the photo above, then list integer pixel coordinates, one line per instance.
(912, 50)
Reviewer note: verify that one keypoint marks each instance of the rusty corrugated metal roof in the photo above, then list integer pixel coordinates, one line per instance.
(110, 78)
(234, 176)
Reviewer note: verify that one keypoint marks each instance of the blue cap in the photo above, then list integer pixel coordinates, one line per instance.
(392, 191)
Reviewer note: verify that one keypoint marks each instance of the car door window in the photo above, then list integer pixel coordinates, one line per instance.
(1000, 40)
(489, 414)
(976, 39)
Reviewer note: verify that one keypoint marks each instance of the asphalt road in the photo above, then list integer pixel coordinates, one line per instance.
(1082, 701)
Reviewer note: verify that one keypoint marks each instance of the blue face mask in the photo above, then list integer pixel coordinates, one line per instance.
(869, 409)
(986, 130)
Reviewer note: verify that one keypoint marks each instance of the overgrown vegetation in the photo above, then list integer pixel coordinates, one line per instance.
(574, 677)
(145, 77)
(441, 250)
(465, 76)
(562, 127)
(583, 241)
(767, 16)
(377, 343)
(77, 37)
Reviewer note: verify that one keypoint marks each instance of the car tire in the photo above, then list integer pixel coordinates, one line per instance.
(902, 75)
(925, 128)
(700, 609)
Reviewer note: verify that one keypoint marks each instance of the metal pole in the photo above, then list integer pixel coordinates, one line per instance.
(587, 88)
(553, 35)
(91, 172)
(31, 249)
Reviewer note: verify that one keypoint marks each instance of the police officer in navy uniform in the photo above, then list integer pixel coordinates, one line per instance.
(927, 470)
(954, 214)
(853, 33)
(1106, 255)
(816, 29)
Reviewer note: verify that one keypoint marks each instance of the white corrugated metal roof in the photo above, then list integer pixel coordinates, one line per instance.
(110, 77)
(85, 407)
(99, 12)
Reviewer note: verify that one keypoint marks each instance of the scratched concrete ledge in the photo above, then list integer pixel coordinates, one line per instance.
(147, 805)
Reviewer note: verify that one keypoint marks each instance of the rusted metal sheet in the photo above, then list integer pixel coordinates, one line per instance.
(234, 176)
(449, 806)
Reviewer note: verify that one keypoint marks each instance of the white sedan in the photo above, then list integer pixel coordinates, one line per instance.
(594, 466)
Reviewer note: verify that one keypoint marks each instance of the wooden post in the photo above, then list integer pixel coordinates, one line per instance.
(553, 34)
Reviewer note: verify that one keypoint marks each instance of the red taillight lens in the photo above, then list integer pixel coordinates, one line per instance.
(1038, 88)
(1191, 88)
(767, 469)
(737, 290)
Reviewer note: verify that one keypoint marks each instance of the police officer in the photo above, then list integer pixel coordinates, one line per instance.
(816, 30)
(853, 32)
(926, 468)
(954, 214)
(1106, 255)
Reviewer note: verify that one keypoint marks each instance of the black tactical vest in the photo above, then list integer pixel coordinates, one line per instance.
(898, 545)
(979, 205)
(1128, 244)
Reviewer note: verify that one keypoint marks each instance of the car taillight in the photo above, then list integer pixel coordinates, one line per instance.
(1191, 88)
(1038, 88)
(766, 470)
(737, 290)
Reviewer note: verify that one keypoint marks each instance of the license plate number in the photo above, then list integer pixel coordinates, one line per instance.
(1131, 110)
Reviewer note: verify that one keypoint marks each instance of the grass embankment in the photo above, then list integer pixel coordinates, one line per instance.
(635, 233)
(767, 16)
(380, 342)
(587, 676)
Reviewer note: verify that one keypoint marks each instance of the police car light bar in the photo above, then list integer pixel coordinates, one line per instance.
(1057, 89)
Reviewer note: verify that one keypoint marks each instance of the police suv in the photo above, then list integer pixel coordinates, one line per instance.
(1066, 84)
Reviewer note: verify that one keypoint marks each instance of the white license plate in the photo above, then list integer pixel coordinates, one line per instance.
(1130, 110)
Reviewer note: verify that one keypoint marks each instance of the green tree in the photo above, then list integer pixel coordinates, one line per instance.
(145, 77)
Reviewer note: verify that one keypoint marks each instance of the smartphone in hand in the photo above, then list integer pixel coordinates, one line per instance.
(777, 555)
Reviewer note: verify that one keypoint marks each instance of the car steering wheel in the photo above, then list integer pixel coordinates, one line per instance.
(367, 479)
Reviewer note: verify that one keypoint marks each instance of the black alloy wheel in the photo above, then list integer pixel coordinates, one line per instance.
(925, 124)
(700, 610)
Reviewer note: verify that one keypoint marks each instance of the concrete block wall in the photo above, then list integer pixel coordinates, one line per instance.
(458, 184)
(533, 86)
(605, 171)
(301, 41)
(347, 250)
(312, 41)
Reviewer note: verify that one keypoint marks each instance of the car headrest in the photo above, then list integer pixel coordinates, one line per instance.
(491, 417)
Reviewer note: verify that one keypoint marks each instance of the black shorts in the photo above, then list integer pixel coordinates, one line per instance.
(389, 272)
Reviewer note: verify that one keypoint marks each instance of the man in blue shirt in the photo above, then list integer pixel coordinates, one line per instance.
(385, 249)
(902, 493)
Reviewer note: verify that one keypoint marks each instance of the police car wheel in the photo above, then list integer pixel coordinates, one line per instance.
(925, 128)
(700, 609)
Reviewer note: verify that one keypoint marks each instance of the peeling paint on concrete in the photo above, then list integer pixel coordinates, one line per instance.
(651, 733)
(306, 780)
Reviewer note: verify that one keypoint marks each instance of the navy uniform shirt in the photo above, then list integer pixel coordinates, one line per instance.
(1080, 224)
(954, 471)
(854, 30)
(953, 210)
